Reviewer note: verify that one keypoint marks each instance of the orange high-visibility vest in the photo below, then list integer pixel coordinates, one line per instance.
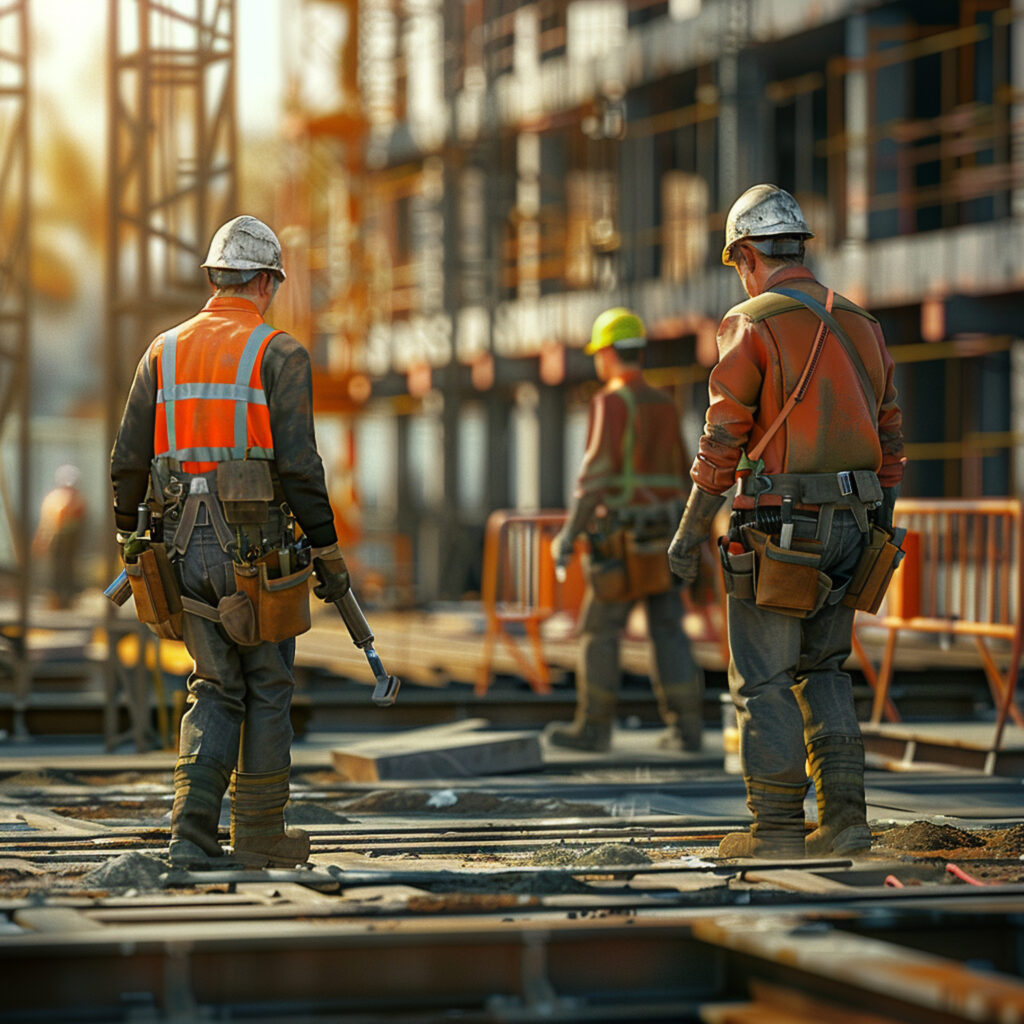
(210, 403)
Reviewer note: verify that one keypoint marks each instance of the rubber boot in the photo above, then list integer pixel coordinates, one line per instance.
(591, 728)
(258, 835)
(778, 828)
(837, 767)
(682, 710)
(199, 785)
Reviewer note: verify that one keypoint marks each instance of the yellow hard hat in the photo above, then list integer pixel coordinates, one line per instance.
(617, 326)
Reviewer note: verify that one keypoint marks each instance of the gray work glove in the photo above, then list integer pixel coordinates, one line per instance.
(694, 527)
(332, 572)
(883, 514)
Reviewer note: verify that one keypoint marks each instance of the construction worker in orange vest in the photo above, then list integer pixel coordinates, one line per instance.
(629, 493)
(217, 439)
(803, 416)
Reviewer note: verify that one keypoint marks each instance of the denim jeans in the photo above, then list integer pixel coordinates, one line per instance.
(785, 673)
(239, 698)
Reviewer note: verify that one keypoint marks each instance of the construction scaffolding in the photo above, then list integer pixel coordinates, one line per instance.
(15, 302)
(172, 180)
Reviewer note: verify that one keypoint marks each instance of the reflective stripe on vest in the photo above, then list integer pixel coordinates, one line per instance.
(628, 482)
(239, 392)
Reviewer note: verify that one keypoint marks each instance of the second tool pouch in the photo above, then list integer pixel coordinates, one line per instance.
(788, 580)
(156, 592)
(737, 571)
(872, 573)
(281, 603)
(647, 565)
(627, 568)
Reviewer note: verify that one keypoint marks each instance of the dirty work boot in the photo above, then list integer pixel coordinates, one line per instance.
(258, 835)
(591, 729)
(778, 828)
(682, 710)
(837, 767)
(199, 785)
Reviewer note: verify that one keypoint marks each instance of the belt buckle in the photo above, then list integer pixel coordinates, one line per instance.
(845, 479)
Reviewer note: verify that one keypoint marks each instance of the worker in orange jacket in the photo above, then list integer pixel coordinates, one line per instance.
(58, 538)
(831, 468)
(633, 480)
(223, 400)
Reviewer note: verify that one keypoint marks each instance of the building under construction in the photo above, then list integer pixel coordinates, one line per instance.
(494, 173)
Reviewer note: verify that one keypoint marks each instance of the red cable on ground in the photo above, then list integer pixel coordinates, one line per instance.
(962, 875)
(893, 882)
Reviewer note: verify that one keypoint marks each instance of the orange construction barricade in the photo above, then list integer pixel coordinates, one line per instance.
(519, 588)
(962, 576)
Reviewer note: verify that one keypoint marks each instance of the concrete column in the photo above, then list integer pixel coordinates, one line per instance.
(1017, 109)
(1017, 416)
(552, 446)
(857, 184)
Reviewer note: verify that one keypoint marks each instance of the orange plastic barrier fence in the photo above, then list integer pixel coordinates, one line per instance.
(519, 589)
(963, 575)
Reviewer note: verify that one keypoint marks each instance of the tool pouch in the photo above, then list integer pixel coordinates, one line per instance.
(156, 592)
(280, 603)
(872, 574)
(626, 568)
(788, 580)
(647, 565)
(245, 489)
(737, 572)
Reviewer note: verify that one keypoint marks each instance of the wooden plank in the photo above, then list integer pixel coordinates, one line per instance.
(436, 755)
(54, 919)
(795, 880)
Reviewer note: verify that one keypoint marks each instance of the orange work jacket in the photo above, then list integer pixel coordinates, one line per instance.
(837, 426)
(210, 403)
(634, 455)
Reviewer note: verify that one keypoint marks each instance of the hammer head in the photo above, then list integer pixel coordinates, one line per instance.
(386, 690)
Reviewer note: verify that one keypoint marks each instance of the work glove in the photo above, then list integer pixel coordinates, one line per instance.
(883, 514)
(332, 572)
(694, 527)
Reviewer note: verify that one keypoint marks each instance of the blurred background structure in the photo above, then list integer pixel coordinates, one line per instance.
(460, 188)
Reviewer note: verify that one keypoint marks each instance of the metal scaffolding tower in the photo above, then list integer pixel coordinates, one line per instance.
(15, 390)
(172, 179)
(172, 159)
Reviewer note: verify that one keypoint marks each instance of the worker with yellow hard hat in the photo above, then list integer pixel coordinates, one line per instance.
(629, 493)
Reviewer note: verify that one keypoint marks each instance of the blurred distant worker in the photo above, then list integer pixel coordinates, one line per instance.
(630, 489)
(58, 538)
(803, 416)
(217, 438)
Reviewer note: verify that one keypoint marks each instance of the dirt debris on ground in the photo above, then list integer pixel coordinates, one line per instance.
(928, 837)
(604, 855)
(132, 870)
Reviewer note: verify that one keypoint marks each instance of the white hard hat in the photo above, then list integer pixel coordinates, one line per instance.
(245, 243)
(764, 211)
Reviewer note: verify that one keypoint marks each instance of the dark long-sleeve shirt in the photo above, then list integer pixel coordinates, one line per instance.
(286, 377)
